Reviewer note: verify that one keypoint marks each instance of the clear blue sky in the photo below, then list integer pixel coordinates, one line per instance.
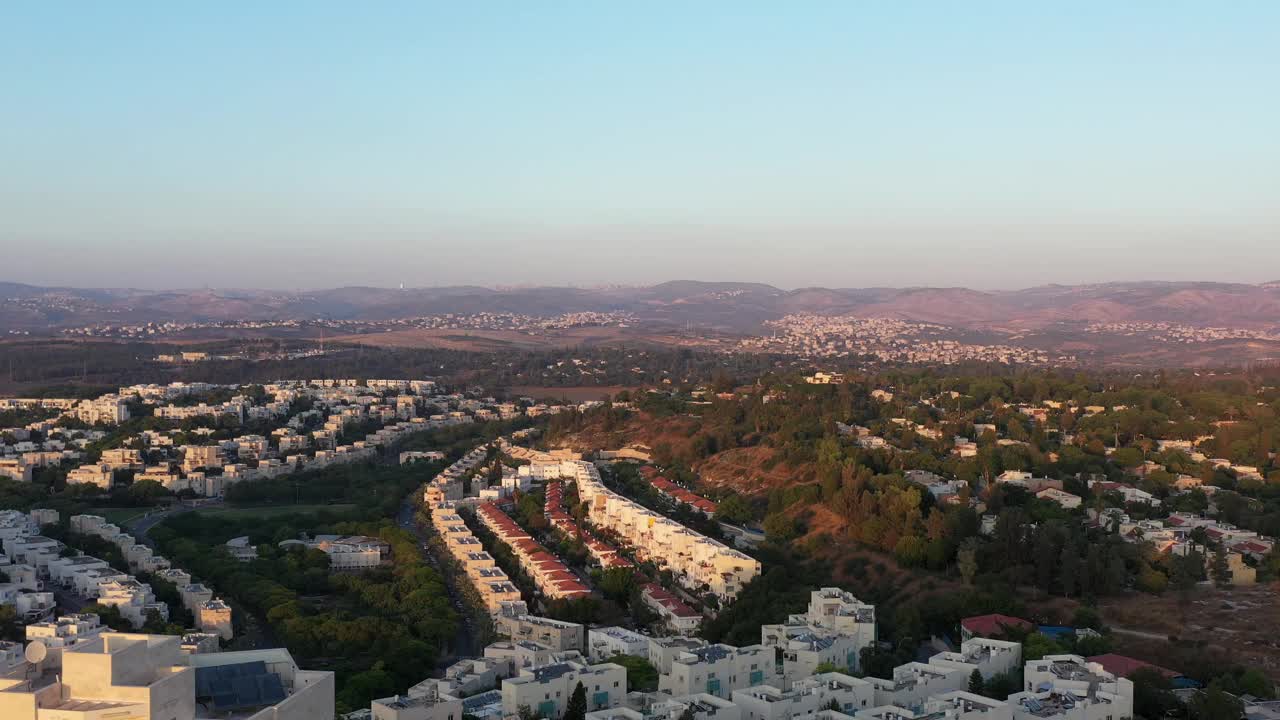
(306, 144)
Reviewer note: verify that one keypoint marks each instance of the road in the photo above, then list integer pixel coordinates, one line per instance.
(465, 642)
(1140, 634)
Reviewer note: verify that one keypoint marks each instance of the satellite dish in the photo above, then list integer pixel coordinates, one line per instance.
(36, 652)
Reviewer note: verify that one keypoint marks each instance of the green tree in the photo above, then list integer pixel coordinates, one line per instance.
(780, 528)
(1036, 646)
(1153, 694)
(1220, 570)
(576, 708)
(1215, 703)
(642, 676)
(967, 560)
(975, 682)
(735, 510)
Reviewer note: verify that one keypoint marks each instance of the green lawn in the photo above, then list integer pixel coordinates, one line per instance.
(267, 511)
(119, 516)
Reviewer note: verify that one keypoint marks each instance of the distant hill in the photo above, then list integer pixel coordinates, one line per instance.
(729, 306)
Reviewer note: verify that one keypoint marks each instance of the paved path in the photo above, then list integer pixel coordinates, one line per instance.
(1139, 634)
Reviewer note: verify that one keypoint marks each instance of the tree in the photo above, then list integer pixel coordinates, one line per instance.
(642, 676)
(735, 510)
(576, 708)
(1215, 704)
(1184, 574)
(780, 528)
(1036, 646)
(967, 560)
(146, 492)
(688, 713)
(1220, 570)
(1152, 694)
(975, 682)
(834, 705)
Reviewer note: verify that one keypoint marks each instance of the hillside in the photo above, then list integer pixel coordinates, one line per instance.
(714, 305)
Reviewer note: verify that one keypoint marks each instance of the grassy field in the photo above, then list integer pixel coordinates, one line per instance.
(119, 516)
(269, 511)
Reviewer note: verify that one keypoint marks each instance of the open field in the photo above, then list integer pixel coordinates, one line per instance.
(1242, 624)
(270, 511)
(498, 340)
(118, 515)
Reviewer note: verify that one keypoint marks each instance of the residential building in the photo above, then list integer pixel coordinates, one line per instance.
(428, 705)
(719, 670)
(214, 616)
(1068, 687)
(555, 634)
(603, 643)
(546, 689)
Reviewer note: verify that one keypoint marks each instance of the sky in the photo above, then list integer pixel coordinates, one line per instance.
(843, 144)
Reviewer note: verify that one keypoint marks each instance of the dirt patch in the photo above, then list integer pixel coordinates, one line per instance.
(744, 470)
(1240, 623)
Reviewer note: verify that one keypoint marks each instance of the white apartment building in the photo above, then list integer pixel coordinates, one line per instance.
(214, 616)
(134, 600)
(347, 552)
(958, 705)
(15, 469)
(1067, 687)
(426, 706)
(555, 634)
(546, 689)
(914, 683)
(603, 643)
(989, 657)
(719, 670)
(100, 475)
(834, 629)
(65, 632)
(805, 699)
(697, 562)
(147, 676)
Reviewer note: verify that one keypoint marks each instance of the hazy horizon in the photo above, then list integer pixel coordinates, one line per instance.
(996, 145)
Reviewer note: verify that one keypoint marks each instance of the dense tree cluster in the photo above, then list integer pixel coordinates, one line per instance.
(378, 629)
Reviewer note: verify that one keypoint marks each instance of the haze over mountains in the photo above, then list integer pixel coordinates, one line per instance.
(726, 306)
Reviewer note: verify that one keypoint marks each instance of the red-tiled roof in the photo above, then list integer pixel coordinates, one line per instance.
(994, 624)
(1124, 666)
(670, 602)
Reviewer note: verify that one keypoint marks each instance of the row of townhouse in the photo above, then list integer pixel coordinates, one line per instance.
(605, 554)
(698, 563)
(198, 460)
(677, 493)
(92, 578)
(675, 614)
(448, 486)
(552, 577)
(492, 584)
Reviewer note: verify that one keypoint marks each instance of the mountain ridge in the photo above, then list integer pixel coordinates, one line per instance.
(725, 305)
